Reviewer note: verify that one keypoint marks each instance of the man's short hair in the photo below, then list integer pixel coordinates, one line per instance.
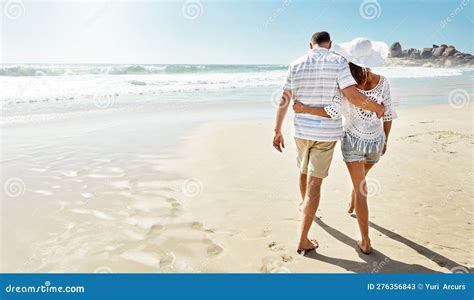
(320, 38)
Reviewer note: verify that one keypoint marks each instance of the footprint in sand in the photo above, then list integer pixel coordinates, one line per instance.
(273, 265)
(149, 259)
(173, 202)
(266, 232)
(275, 247)
(213, 249)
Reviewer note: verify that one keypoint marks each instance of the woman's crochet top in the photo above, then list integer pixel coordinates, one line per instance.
(362, 127)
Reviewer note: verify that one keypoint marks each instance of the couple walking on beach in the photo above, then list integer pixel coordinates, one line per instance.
(326, 84)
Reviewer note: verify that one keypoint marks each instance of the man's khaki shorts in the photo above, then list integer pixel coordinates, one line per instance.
(314, 158)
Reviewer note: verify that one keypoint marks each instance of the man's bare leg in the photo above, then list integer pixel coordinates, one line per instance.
(310, 206)
(351, 205)
(303, 184)
(357, 171)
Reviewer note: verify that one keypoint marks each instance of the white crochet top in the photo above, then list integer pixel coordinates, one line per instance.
(362, 127)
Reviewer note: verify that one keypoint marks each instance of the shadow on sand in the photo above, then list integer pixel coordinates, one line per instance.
(378, 262)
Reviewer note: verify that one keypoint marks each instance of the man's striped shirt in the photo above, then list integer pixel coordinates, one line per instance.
(314, 80)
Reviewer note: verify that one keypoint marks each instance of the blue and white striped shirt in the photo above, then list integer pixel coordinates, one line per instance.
(314, 80)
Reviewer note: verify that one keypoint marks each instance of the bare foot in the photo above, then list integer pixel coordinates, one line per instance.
(350, 208)
(307, 245)
(364, 247)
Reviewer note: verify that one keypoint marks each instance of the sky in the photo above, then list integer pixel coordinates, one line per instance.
(217, 32)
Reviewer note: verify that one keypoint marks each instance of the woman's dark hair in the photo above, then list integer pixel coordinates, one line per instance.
(360, 74)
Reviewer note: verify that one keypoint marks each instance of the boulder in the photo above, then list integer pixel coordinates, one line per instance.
(426, 53)
(444, 46)
(449, 51)
(396, 50)
(410, 51)
(435, 46)
(437, 52)
(415, 55)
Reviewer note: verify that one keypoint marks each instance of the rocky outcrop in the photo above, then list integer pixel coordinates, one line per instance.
(437, 52)
(435, 56)
(426, 53)
(449, 51)
(396, 50)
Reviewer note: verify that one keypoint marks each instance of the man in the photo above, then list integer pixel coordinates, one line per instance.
(314, 80)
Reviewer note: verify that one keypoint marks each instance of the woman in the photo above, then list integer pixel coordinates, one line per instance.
(365, 136)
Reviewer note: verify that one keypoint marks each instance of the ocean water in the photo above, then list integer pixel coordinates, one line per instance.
(43, 92)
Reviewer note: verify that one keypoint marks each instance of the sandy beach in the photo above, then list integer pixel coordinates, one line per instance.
(420, 199)
(99, 197)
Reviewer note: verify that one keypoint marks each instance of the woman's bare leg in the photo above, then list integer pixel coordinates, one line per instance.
(351, 205)
(357, 171)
